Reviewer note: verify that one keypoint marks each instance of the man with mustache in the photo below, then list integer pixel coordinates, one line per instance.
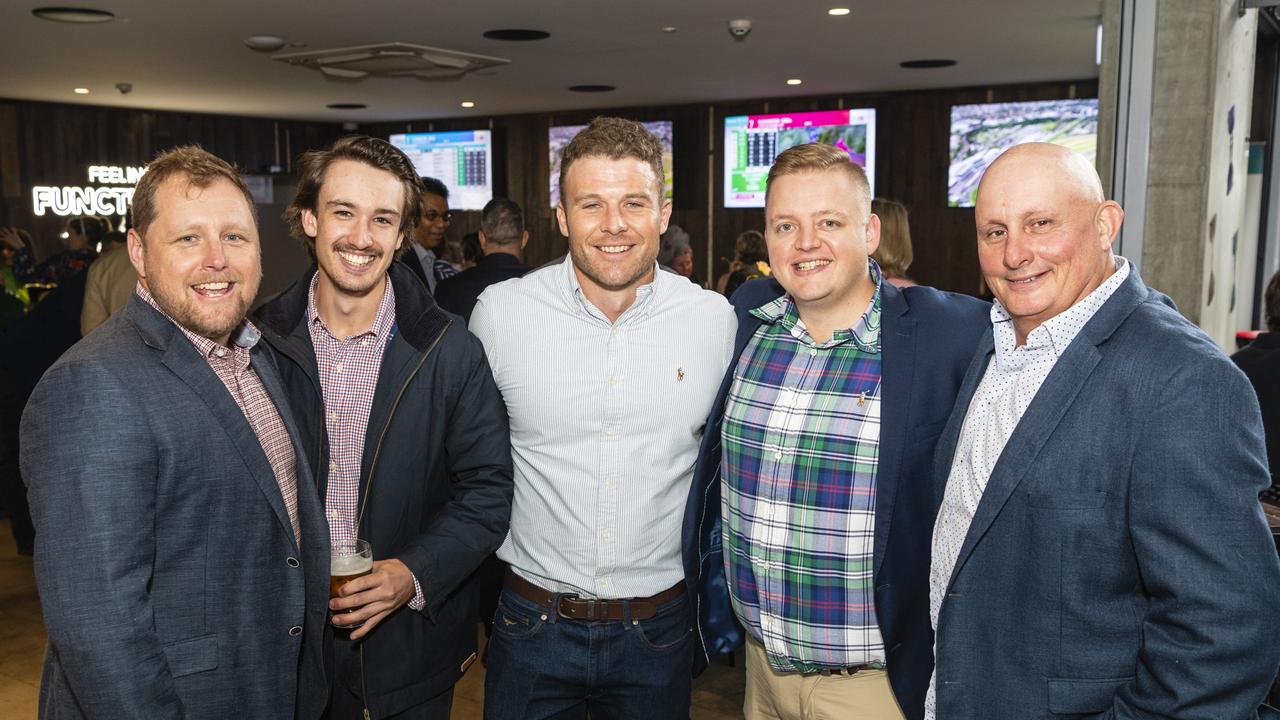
(608, 369)
(403, 423)
(182, 553)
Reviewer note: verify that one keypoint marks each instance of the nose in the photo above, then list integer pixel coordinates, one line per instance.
(1017, 249)
(806, 238)
(215, 256)
(614, 223)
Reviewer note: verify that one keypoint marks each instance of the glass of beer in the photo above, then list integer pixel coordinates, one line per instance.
(348, 560)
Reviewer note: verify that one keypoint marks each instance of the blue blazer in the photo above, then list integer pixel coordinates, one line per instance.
(927, 340)
(1118, 565)
(170, 579)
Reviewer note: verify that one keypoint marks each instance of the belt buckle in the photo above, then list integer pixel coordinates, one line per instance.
(560, 605)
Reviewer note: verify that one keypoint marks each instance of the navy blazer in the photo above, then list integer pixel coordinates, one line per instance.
(1118, 564)
(170, 579)
(927, 340)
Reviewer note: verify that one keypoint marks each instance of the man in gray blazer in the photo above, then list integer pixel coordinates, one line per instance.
(182, 555)
(1099, 551)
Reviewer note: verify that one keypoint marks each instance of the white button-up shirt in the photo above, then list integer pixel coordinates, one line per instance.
(605, 424)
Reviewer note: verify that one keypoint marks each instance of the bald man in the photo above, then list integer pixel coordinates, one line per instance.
(1099, 551)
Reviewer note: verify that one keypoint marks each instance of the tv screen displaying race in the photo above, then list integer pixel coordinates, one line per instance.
(751, 142)
(979, 133)
(560, 136)
(462, 160)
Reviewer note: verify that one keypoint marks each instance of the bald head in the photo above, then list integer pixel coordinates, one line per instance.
(1044, 232)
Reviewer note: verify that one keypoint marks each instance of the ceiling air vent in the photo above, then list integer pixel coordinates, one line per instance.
(391, 60)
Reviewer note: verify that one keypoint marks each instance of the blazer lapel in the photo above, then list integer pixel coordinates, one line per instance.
(897, 367)
(310, 511)
(945, 452)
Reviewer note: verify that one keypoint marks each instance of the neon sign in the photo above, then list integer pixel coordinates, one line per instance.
(101, 200)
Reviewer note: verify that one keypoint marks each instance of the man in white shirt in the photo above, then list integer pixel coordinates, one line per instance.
(1099, 551)
(608, 370)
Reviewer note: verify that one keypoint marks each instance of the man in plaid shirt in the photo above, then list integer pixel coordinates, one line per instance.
(822, 434)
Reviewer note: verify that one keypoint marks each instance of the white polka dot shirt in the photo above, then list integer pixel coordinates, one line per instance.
(998, 404)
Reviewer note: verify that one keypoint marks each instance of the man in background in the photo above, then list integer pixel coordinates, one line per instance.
(502, 240)
(428, 236)
(110, 283)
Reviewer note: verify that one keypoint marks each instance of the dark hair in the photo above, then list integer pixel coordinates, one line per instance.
(375, 153)
(200, 168)
(613, 138)
(435, 187)
(115, 236)
(91, 227)
(470, 249)
(1272, 298)
(750, 247)
(502, 221)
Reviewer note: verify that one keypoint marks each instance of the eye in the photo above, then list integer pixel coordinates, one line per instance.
(382, 220)
(994, 234)
(234, 237)
(1040, 223)
(342, 213)
(188, 239)
(785, 227)
(829, 224)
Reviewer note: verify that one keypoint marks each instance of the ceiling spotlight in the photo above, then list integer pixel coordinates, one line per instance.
(265, 43)
(468, 104)
(73, 15)
(669, 29)
(794, 81)
(926, 64)
(81, 91)
(838, 12)
(592, 88)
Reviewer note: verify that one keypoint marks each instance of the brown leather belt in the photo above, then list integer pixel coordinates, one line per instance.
(576, 608)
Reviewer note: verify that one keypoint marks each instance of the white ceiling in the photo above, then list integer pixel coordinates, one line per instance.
(188, 55)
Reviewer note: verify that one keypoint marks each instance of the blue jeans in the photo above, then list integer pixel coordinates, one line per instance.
(542, 665)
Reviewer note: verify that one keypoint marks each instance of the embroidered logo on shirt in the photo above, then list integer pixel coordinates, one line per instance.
(679, 374)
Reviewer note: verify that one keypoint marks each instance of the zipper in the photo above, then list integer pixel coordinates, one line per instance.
(364, 688)
(697, 596)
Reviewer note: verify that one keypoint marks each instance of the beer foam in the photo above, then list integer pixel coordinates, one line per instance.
(350, 565)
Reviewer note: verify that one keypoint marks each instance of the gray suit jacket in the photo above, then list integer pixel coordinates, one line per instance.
(1118, 565)
(170, 579)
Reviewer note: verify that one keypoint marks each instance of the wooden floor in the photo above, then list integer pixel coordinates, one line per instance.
(717, 694)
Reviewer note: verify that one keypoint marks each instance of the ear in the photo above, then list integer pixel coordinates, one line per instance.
(563, 219)
(400, 243)
(1110, 218)
(484, 242)
(133, 241)
(873, 233)
(666, 215)
(310, 226)
(524, 239)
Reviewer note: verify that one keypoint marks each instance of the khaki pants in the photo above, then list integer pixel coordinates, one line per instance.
(772, 695)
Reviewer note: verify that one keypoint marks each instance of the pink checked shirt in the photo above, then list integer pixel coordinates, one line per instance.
(231, 365)
(348, 370)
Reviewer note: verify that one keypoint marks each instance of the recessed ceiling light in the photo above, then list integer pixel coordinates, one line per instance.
(592, 88)
(669, 29)
(794, 81)
(73, 15)
(926, 64)
(265, 43)
(81, 91)
(517, 35)
(346, 106)
(468, 104)
(838, 11)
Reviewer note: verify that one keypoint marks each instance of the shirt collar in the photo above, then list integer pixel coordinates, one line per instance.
(1056, 333)
(865, 333)
(242, 339)
(572, 289)
(382, 320)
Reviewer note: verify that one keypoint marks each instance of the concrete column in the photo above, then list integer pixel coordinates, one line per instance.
(1196, 161)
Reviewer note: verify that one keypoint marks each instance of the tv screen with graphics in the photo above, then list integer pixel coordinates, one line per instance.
(979, 133)
(462, 160)
(560, 135)
(751, 142)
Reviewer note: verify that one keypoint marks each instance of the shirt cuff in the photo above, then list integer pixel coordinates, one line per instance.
(418, 602)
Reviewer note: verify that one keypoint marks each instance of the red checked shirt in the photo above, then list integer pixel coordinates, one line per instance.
(348, 370)
(231, 365)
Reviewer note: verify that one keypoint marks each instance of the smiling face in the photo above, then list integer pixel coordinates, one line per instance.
(356, 226)
(819, 239)
(1044, 232)
(200, 259)
(435, 221)
(613, 213)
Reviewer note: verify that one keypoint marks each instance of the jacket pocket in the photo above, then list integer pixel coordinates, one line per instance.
(1075, 697)
(187, 657)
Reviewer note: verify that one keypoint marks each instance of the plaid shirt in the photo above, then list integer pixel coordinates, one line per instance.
(801, 438)
(348, 369)
(231, 365)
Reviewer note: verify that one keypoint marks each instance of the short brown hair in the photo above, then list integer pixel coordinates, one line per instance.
(750, 247)
(371, 151)
(1272, 298)
(817, 157)
(613, 138)
(894, 254)
(199, 166)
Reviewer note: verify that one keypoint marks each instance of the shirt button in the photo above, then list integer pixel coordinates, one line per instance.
(333, 417)
(295, 631)
(333, 465)
(292, 562)
(604, 536)
(813, 351)
(609, 432)
(777, 456)
(337, 367)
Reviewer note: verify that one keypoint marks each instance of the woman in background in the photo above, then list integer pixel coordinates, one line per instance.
(894, 254)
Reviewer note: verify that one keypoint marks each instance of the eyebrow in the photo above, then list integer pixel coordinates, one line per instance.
(350, 205)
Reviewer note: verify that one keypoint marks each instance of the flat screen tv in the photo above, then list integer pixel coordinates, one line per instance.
(979, 133)
(462, 160)
(560, 135)
(751, 142)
